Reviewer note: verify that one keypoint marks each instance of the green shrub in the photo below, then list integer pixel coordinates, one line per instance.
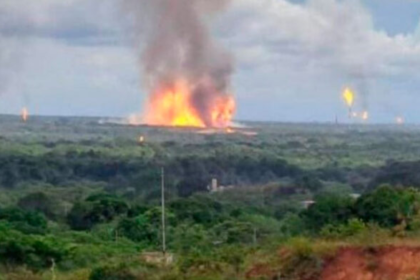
(138, 229)
(24, 221)
(94, 210)
(328, 209)
(34, 252)
(352, 228)
(40, 202)
(300, 260)
(292, 224)
(388, 206)
(111, 273)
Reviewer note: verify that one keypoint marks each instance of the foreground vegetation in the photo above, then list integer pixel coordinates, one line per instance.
(81, 200)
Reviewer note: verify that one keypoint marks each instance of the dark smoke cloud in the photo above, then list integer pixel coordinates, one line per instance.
(178, 44)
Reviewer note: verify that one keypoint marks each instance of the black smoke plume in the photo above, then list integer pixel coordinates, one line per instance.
(177, 43)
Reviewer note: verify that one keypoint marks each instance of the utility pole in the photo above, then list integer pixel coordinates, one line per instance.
(163, 212)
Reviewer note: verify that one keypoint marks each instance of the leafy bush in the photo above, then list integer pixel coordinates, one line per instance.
(300, 260)
(32, 251)
(329, 209)
(111, 273)
(138, 229)
(94, 210)
(39, 202)
(351, 228)
(24, 221)
(200, 210)
(231, 232)
(292, 225)
(388, 206)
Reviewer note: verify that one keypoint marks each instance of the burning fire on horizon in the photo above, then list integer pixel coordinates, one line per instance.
(365, 115)
(172, 106)
(24, 114)
(349, 97)
(399, 120)
(187, 73)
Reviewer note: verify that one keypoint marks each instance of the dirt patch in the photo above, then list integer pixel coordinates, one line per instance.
(260, 271)
(383, 263)
(400, 262)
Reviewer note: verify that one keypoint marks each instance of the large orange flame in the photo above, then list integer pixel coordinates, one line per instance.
(173, 107)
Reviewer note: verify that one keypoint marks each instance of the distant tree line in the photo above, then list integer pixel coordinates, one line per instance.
(187, 174)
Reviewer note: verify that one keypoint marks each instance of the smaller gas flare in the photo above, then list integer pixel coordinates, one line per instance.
(348, 96)
(141, 139)
(365, 116)
(24, 114)
(230, 130)
(399, 120)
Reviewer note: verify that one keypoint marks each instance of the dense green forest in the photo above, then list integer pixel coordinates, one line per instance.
(80, 197)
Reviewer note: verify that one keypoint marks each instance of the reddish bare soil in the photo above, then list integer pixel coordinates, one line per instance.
(260, 271)
(384, 263)
(355, 263)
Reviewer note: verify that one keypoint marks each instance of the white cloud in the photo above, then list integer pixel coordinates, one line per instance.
(330, 34)
(76, 21)
(62, 79)
(288, 55)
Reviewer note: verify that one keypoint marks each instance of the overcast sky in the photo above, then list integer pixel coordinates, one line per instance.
(293, 58)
